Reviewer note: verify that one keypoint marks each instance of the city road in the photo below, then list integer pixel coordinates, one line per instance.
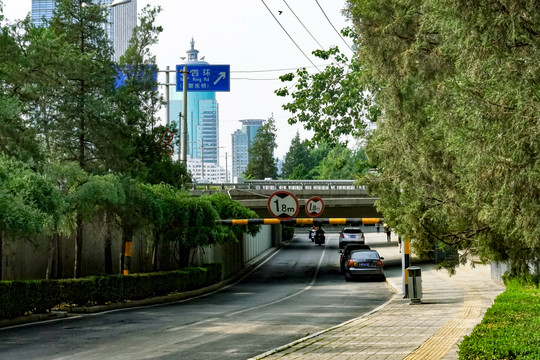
(296, 292)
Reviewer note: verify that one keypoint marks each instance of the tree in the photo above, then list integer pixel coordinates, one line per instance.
(456, 149)
(31, 204)
(262, 163)
(342, 163)
(335, 103)
(298, 160)
(17, 138)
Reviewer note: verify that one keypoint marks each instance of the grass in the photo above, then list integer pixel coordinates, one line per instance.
(510, 329)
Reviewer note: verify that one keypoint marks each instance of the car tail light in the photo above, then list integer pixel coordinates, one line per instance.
(350, 263)
(379, 263)
(342, 236)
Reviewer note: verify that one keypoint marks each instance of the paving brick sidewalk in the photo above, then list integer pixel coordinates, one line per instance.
(450, 308)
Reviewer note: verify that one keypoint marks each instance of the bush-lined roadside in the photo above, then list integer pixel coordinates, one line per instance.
(510, 329)
(18, 298)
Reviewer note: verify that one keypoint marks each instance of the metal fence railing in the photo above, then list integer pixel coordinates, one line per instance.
(282, 185)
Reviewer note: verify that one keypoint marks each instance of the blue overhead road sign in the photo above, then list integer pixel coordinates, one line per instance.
(204, 77)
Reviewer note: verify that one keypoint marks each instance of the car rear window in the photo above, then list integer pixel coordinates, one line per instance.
(352, 231)
(364, 255)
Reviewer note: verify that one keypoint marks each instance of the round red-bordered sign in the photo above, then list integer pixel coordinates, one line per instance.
(283, 205)
(314, 206)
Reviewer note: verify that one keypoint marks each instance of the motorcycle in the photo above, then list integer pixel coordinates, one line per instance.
(319, 237)
(312, 233)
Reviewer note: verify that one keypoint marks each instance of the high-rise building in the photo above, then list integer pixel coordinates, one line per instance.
(121, 21)
(241, 142)
(202, 117)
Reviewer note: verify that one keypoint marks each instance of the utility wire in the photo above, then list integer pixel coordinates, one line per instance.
(337, 32)
(244, 78)
(274, 70)
(290, 37)
(300, 21)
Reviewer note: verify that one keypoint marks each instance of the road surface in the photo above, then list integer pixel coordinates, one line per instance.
(296, 292)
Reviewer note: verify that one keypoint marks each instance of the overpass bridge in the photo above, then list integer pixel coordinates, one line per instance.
(342, 198)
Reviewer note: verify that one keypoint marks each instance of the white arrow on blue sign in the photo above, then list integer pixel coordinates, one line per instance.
(203, 77)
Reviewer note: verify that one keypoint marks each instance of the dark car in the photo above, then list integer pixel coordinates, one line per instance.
(351, 235)
(347, 251)
(364, 263)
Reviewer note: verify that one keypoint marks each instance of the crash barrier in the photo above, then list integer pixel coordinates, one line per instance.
(304, 221)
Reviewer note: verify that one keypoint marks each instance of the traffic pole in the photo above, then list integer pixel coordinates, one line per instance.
(406, 262)
(128, 247)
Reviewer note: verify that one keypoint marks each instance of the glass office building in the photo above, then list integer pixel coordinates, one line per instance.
(202, 119)
(241, 141)
(121, 21)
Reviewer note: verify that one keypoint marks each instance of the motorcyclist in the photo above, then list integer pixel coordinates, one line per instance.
(319, 235)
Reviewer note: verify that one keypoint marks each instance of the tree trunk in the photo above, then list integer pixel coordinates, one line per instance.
(155, 252)
(108, 247)
(53, 244)
(78, 246)
(183, 256)
(59, 260)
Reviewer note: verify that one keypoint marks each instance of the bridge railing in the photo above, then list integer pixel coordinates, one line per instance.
(282, 185)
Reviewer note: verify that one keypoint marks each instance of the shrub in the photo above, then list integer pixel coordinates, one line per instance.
(510, 329)
(20, 297)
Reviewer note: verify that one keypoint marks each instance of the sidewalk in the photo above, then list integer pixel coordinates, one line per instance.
(450, 308)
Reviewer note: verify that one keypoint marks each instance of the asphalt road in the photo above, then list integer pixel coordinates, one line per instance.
(296, 292)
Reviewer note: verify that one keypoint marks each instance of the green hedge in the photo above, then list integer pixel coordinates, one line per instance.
(510, 329)
(22, 297)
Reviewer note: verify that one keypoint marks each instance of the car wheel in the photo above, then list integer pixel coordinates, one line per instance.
(347, 276)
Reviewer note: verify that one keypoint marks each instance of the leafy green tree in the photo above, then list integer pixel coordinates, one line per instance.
(333, 103)
(99, 196)
(342, 163)
(31, 204)
(262, 163)
(17, 138)
(298, 160)
(456, 149)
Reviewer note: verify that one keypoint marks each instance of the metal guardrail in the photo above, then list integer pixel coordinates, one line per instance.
(282, 185)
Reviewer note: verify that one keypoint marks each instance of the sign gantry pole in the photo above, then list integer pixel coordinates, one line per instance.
(184, 118)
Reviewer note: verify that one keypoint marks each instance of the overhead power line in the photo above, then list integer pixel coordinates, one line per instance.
(330, 22)
(245, 78)
(290, 37)
(274, 70)
(300, 21)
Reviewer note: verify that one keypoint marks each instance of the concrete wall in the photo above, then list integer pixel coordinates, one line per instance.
(233, 257)
(26, 258)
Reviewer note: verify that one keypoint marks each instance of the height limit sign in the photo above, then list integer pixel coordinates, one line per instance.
(314, 206)
(283, 205)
